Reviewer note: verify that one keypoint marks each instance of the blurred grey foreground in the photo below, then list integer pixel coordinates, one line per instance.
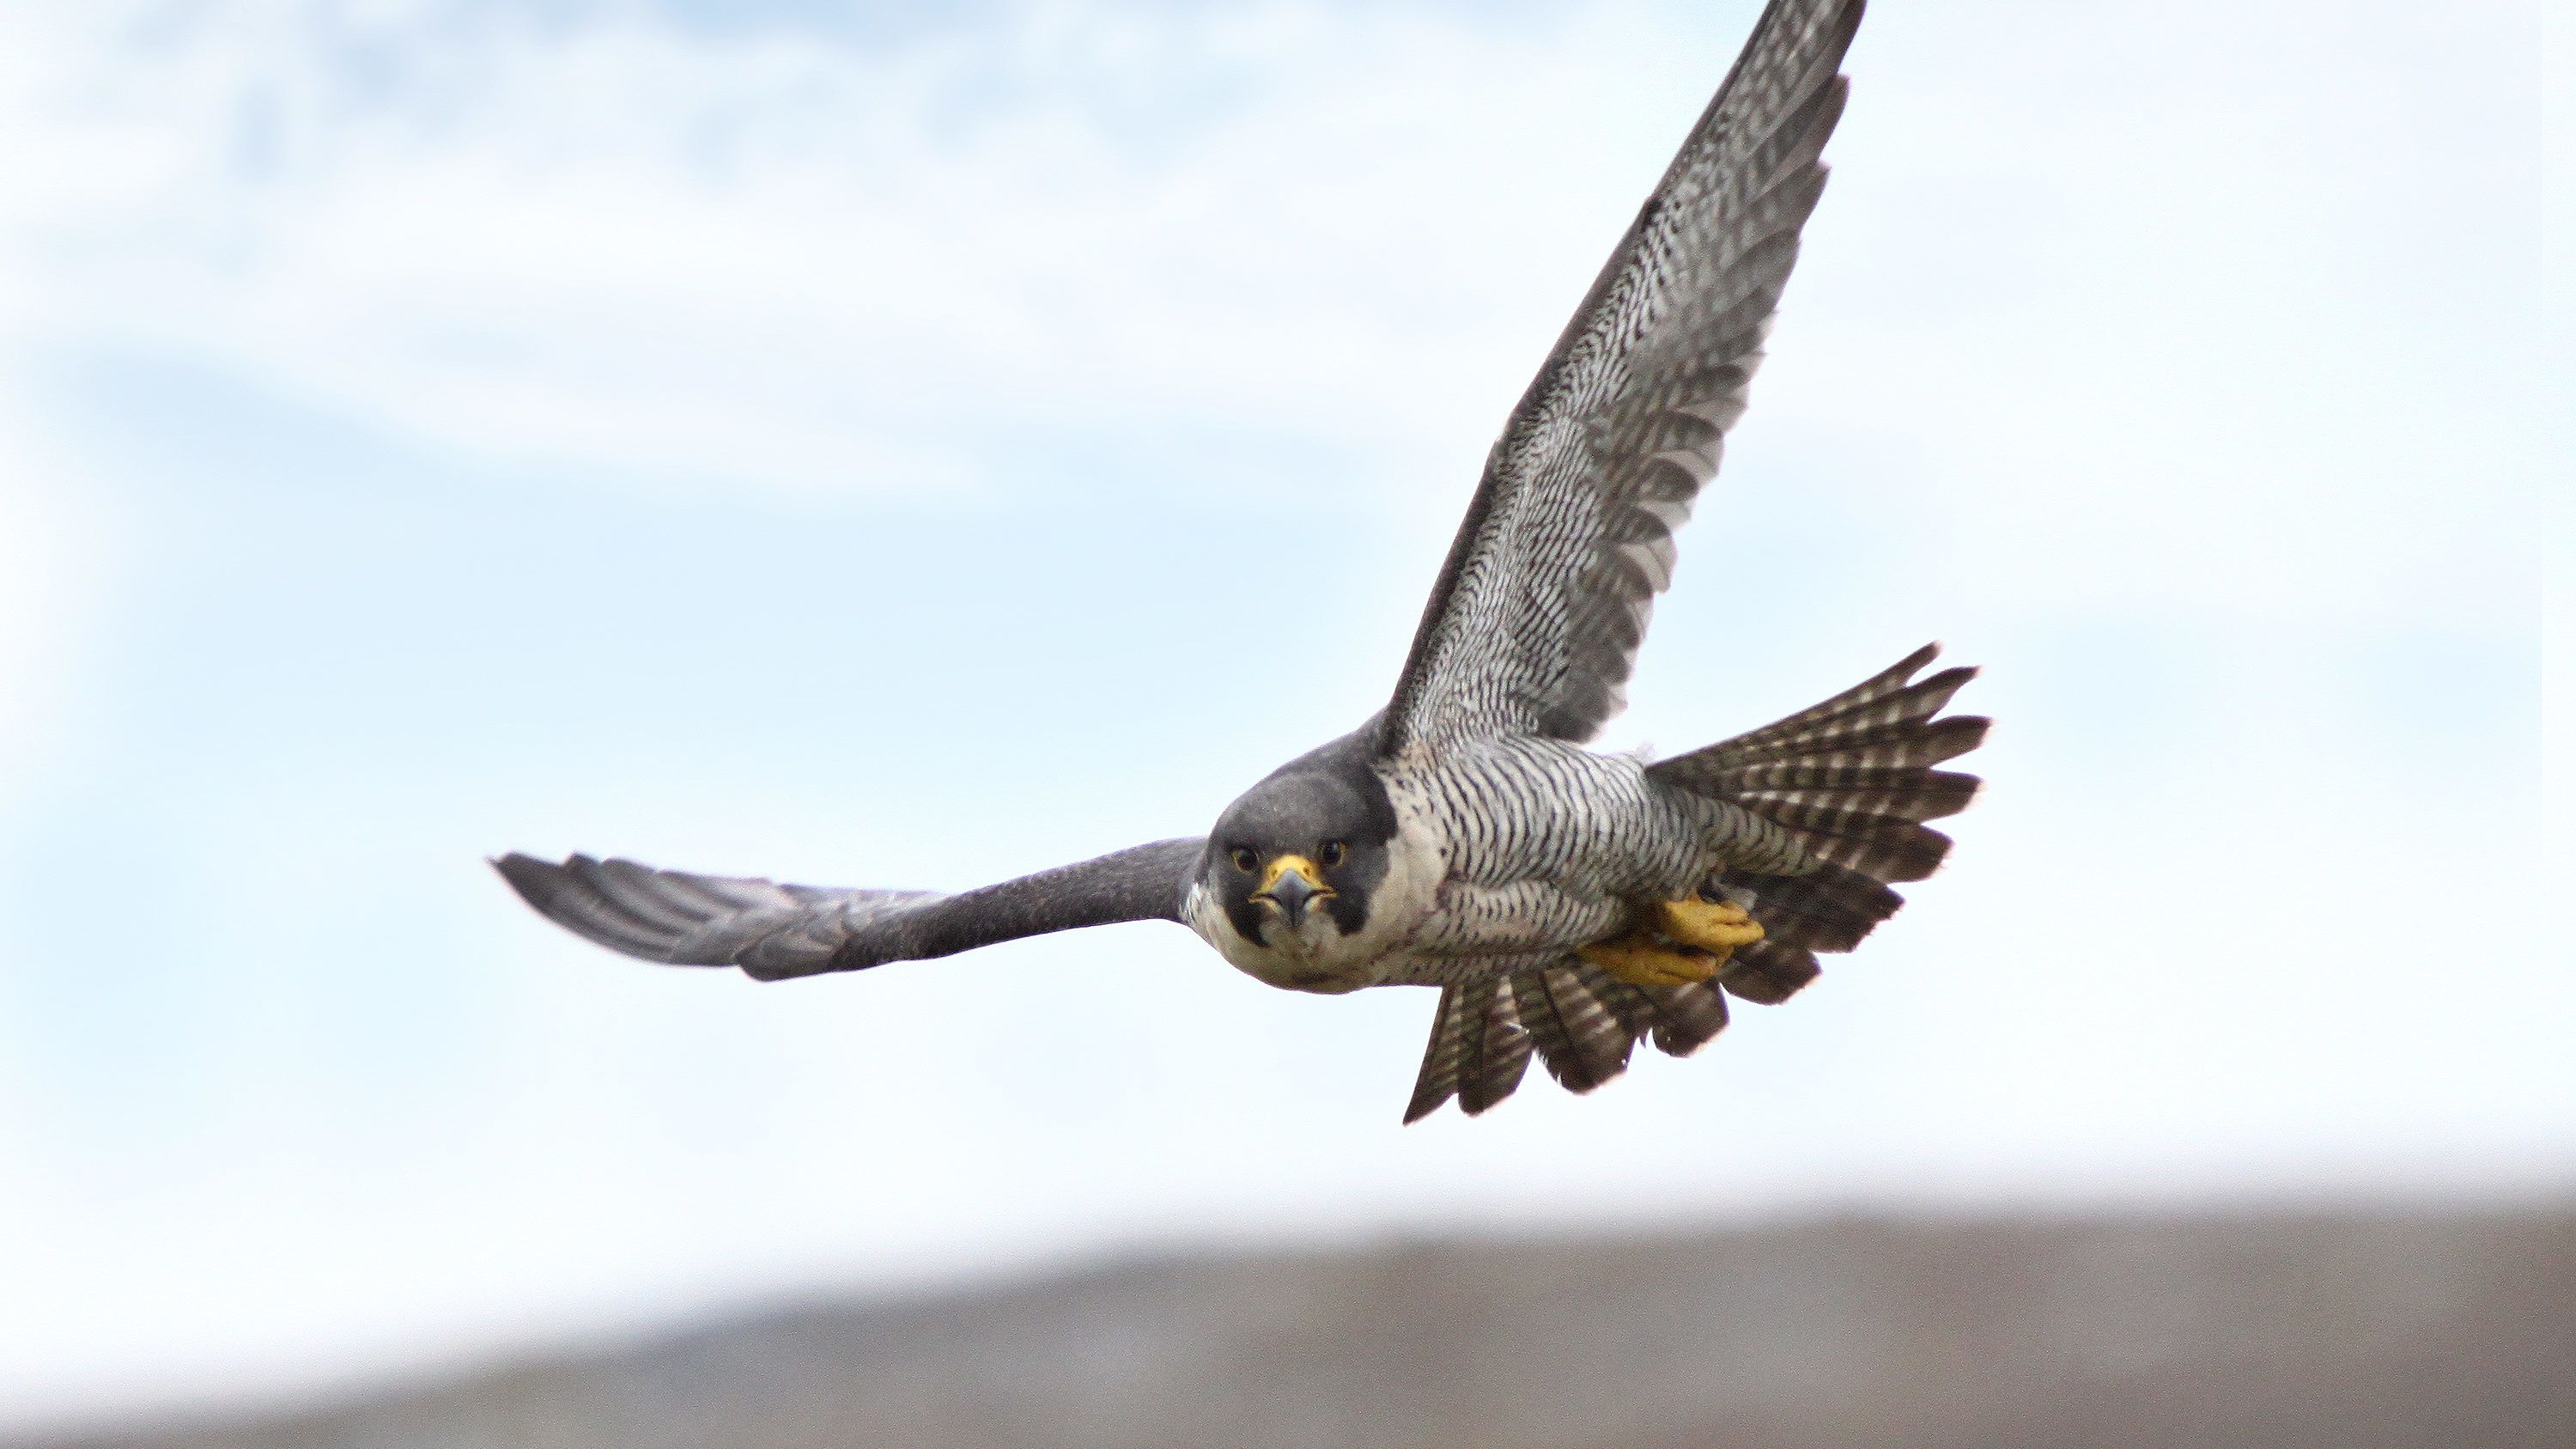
(2343, 1330)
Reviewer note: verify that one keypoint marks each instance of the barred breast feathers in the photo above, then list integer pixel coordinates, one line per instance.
(1519, 808)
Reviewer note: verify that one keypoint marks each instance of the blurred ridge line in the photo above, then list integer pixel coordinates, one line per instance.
(2342, 1327)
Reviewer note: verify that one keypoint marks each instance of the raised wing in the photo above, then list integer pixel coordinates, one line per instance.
(777, 931)
(1536, 618)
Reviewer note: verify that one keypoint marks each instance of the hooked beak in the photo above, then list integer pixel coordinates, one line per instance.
(1291, 882)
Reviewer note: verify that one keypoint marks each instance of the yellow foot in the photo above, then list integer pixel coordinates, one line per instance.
(1712, 926)
(1690, 941)
(1641, 961)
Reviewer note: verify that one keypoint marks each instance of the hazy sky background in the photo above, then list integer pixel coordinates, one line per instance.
(867, 448)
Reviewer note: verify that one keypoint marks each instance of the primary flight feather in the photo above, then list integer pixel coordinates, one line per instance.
(1566, 904)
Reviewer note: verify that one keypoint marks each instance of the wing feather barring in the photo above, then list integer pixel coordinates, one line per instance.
(1564, 904)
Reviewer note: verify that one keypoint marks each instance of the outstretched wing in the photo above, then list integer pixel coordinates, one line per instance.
(777, 931)
(1537, 615)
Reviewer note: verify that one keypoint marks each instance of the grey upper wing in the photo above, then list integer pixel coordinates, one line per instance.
(776, 931)
(1536, 618)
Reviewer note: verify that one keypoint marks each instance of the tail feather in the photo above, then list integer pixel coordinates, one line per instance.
(1686, 1017)
(1768, 972)
(1904, 744)
(1825, 910)
(1894, 852)
(1901, 705)
(1851, 782)
(1578, 1039)
(1437, 1082)
(1628, 1005)
(1498, 1048)
(1911, 794)
(1579, 1020)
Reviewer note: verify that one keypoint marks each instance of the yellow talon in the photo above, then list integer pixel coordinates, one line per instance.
(1640, 962)
(1689, 942)
(1713, 926)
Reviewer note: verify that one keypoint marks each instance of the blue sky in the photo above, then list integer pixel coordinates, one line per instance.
(853, 448)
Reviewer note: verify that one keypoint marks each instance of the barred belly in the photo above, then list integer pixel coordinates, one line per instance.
(1543, 845)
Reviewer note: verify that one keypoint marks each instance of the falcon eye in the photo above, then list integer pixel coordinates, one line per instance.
(1246, 861)
(1331, 854)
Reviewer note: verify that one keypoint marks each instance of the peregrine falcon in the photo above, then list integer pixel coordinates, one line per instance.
(1563, 902)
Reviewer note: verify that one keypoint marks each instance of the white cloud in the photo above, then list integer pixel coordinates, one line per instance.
(791, 258)
(2118, 311)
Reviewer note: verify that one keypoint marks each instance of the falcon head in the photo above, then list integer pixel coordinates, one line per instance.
(1294, 860)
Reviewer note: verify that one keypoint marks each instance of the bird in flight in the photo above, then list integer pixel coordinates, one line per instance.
(1565, 903)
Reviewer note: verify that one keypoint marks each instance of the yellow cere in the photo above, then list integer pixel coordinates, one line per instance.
(1299, 864)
